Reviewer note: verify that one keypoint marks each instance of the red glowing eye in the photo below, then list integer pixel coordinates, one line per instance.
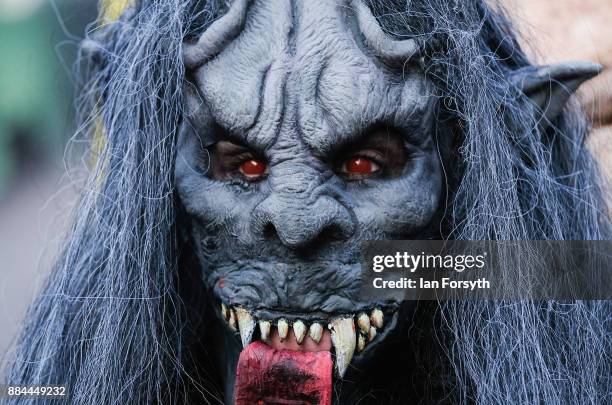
(253, 168)
(360, 165)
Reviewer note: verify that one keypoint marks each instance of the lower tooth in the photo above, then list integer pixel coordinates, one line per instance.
(316, 331)
(376, 318)
(371, 333)
(344, 340)
(361, 342)
(283, 329)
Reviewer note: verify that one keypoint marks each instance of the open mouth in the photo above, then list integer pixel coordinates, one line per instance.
(342, 335)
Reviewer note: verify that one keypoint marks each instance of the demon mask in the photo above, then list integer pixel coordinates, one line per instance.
(308, 129)
(245, 150)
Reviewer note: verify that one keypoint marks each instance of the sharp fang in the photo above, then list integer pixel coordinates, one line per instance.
(376, 318)
(361, 342)
(344, 340)
(371, 333)
(264, 330)
(283, 328)
(232, 320)
(363, 322)
(299, 330)
(316, 331)
(224, 311)
(246, 325)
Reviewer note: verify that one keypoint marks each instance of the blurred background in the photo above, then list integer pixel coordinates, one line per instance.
(38, 43)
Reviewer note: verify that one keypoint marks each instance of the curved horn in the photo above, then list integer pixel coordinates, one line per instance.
(217, 35)
(375, 38)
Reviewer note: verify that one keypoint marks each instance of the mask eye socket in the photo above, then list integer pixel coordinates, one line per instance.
(380, 154)
(231, 161)
(359, 166)
(253, 169)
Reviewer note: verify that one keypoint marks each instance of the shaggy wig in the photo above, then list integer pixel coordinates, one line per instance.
(115, 322)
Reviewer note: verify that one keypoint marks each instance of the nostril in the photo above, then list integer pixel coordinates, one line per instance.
(310, 240)
(334, 232)
(326, 236)
(298, 226)
(269, 231)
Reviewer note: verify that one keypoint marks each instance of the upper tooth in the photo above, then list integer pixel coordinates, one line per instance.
(246, 324)
(316, 331)
(283, 328)
(232, 320)
(299, 330)
(264, 329)
(376, 318)
(361, 342)
(371, 333)
(363, 322)
(344, 340)
(224, 311)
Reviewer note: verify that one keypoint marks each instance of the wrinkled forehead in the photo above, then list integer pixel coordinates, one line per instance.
(306, 67)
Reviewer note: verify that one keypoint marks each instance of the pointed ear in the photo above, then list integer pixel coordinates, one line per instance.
(550, 87)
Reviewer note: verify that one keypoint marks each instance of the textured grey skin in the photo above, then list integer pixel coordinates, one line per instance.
(296, 81)
(296, 84)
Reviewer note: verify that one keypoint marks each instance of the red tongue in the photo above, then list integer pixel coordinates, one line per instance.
(269, 376)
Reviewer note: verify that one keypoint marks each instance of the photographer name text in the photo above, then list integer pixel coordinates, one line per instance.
(410, 263)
